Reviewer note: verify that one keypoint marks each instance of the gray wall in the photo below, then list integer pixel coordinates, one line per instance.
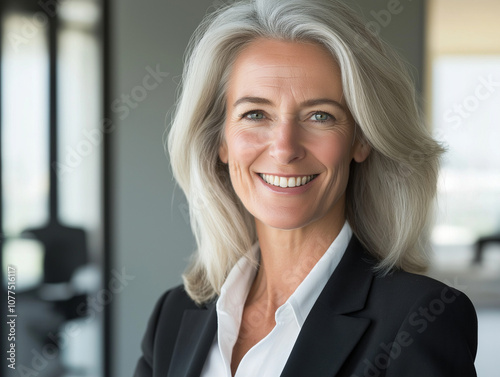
(152, 240)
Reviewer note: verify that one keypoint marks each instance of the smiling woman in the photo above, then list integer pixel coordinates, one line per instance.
(287, 123)
(298, 132)
(273, 138)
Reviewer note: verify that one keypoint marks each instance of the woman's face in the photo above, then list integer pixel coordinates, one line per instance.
(289, 136)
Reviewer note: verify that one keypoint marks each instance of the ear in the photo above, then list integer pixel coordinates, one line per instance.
(361, 150)
(223, 151)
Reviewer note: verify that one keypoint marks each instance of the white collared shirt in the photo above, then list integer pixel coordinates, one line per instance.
(268, 357)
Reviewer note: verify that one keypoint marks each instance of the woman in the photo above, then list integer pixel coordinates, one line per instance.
(310, 177)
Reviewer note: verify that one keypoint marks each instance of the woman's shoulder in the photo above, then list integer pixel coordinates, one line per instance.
(170, 308)
(427, 317)
(174, 300)
(163, 326)
(407, 283)
(408, 292)
(400, 291)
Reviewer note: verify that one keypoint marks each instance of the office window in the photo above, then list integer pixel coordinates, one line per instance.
(463, 98)
(52, 183)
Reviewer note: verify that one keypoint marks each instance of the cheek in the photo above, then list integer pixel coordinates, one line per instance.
(244, 145)
(333, 153)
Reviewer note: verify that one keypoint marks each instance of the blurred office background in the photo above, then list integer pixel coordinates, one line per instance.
(90, 215)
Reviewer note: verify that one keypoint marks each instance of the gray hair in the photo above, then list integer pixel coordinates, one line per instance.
(389, 196)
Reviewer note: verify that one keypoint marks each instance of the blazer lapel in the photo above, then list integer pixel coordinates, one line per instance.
(195, 337)
(329, 335)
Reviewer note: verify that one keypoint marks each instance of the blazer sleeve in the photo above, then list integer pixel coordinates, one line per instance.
(144, 366)
(438, 338)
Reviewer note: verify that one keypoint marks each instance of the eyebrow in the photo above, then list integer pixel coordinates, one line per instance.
(257, 100)
(308, 103)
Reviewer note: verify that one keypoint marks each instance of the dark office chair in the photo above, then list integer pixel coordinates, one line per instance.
(481, 243)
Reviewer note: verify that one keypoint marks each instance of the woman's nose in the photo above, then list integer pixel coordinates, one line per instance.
(286, 145)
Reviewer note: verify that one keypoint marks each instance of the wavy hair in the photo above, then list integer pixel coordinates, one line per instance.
(389, 196)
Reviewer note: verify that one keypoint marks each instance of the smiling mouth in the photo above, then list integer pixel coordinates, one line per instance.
(276, 180)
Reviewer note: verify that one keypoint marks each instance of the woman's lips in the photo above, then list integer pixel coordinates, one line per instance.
(287, 181)
(281, 181)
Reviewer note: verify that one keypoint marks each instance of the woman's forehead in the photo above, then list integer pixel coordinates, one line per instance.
(272, 65)
(272, 52)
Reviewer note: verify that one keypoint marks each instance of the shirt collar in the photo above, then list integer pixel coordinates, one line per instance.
(237, 285)
(235, 289)
(306, 294)
(231, 302)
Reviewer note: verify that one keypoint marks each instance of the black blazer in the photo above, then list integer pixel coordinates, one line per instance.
(362, 325)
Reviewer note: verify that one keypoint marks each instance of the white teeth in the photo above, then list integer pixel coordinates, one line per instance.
(286, 182)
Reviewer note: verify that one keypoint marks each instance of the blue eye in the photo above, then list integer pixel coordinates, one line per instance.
(254, 115)
(320, 116)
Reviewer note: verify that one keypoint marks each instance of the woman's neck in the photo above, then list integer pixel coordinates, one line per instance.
(287, 257)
